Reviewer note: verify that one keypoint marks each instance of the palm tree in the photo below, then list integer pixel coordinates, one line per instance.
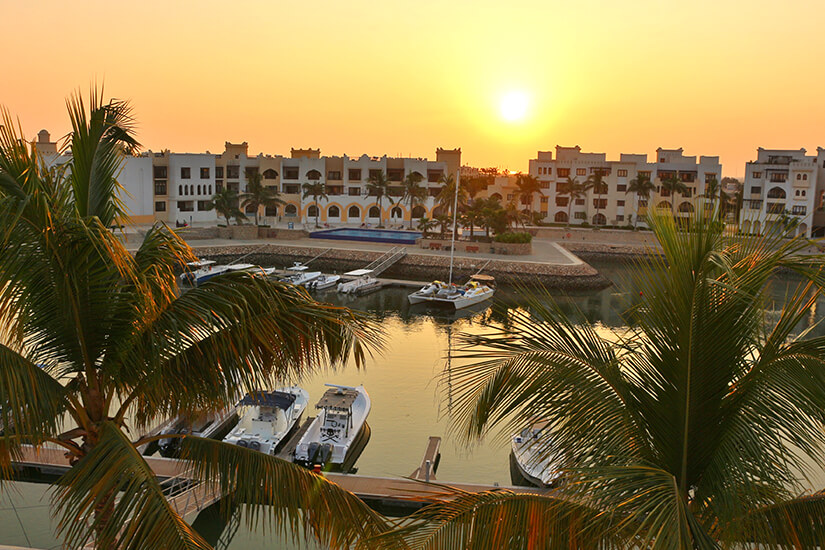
(643, 187)
(443, 221)
(446, 198)
(715, 192)
(692, 428)
(316, 190)
(98, 344)
(378, 186)
(574, 190)
(225, 203)
(528, 185)
(257, 194)
(596, 182)
(414, 193)
(425, 225)
(673, 184)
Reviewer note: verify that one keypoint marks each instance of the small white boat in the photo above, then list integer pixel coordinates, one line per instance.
(534, 457)
(336, 436)
(362, 283)
(207, 425)
(477, 290)
(299, 275)
(324, 281)
(201, 271)
(267, 418)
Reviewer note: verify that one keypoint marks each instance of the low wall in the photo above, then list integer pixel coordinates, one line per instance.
(197, 233)
(423, 267)
(578, 234)
(604, 251)
(505, 249)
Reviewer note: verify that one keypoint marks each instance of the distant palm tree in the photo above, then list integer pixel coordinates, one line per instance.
(444, 221)
(715, 192)
(99, 344)
(316, 190)
(695, 426)
(414, 193)
(528, 185)
(643, 187)
(426, 225)
(574, 190)
(225, 203)
(446, 199)
(378, 186)
(474, 185)
(599, 186)
(674, 185)
(257, 194)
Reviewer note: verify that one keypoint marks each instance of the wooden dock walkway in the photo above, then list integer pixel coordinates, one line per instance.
(429, 464)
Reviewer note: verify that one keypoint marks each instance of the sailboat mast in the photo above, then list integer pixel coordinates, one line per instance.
(455, 222)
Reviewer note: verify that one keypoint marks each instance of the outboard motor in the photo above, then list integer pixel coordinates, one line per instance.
(255, 445)
(313, 450)
(325, 454)
(243, 443)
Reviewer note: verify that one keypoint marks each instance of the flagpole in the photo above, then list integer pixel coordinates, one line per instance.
(455, 222)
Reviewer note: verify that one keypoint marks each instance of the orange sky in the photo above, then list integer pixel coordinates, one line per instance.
(712, 76)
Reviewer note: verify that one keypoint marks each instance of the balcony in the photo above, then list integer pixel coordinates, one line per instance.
(775, 207)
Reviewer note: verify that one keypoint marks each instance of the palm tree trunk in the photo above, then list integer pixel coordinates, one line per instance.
(317, 211)
(569, 210)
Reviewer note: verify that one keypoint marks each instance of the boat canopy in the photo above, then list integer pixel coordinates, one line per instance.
(201, 263)
(298, 267)
(358, 272)
(274, 399)
(240, 267)
(339, 399)
(486, 279)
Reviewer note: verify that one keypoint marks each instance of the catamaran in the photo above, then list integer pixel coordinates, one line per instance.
(267, 418)
(339, 433)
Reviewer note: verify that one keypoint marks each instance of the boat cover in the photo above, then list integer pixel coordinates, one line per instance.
(274, 399)
(338, 398)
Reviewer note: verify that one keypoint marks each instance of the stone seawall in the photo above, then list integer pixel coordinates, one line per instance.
(415, 266)
(607, 252)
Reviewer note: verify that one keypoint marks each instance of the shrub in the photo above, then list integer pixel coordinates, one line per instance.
(514, 238)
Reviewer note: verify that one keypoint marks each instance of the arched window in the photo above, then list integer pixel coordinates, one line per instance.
(664, 205)
(560, 217)
(334, 212)
(599, 219)
(374, 212)
(250, 209)
(419, 212)
(210, 188)
(180, 189)
(437, 211)
(199, 189)
(314, 175)
(291, 210)
(686, 207)
(354, 212)
(270, 174)
(776, 193)
(271, 211)
(496, 196)
(312, 211)
(396, 213)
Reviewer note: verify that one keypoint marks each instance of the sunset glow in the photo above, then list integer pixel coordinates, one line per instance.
(514, 106)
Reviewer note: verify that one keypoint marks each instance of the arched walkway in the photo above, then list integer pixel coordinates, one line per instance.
(685, 208)
(419, 212)
(396, 213)
(373, 213)
(664, 205)
(312, 211)
(334, 212)
(290, 211)
(354, 213)
(599, 219)
(560, 217)
(802, 230)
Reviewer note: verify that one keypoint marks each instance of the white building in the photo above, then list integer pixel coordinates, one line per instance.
(617, 206)
(782, 185)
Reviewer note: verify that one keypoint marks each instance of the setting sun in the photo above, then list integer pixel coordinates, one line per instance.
(513, 106)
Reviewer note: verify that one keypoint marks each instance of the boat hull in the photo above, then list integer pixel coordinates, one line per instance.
(457, 303)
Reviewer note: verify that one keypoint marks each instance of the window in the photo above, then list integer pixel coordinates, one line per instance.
(644, 175)
(333, 175)
(314, 175)
(219, 172)
(621, 173)
(757, 175)
(804, 177)
(687, 177)
(354, 174)
(580, 215)
(619, 203)
(160, 206)
(354, 191)
(564, 172)
(185, 172)
(199, 190)
(291, 172)
(354, 212)
(543, 200)
(756, 190)
(271, 211)
(548, 171)
(779, 176)
(799, 210)
(204, 173)
(334, 212)
(803, 192)
(665, 192)
(233, 172)
(562, 201)
(621, 188)
(709, 176)
(643, 204)
(159, 172)
(619, 217)
(599, 203)
(270, 174)
(434, 176)
(395, 174)
(776, 193)
(687, 193)
(797, 192)
(798, 177)
(292, 189)
(776, 207)
(755, 205)
(374, 173)
(581, 171)
(579, 202)
(160, 188)
(203, 206)
(186, 206)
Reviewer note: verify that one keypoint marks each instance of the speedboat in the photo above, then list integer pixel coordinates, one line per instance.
(201, 271)
(477, 290)
(267, 418)
(363, 282)
(533, 458)
(339, 432)
(208, 425)
(299, 275)
(322, 282)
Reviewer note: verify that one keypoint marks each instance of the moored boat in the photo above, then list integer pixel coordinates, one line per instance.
(336, 435)
(209, 425)
(533, 457)
(267, 418)
(324, 281)
(363, 282)
(300, 275)
(475, 291)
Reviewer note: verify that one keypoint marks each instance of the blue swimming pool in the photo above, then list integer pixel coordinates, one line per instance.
(368, 235)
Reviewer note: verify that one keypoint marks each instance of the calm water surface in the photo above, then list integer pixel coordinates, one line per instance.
(409, 404)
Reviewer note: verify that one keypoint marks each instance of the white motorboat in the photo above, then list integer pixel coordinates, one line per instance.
(363, 282)
(477, 290)
(324, 281)
(533, 456)
(206, 269)
(299, 274)
(207, 425)
(267, 418)
(338, 434)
